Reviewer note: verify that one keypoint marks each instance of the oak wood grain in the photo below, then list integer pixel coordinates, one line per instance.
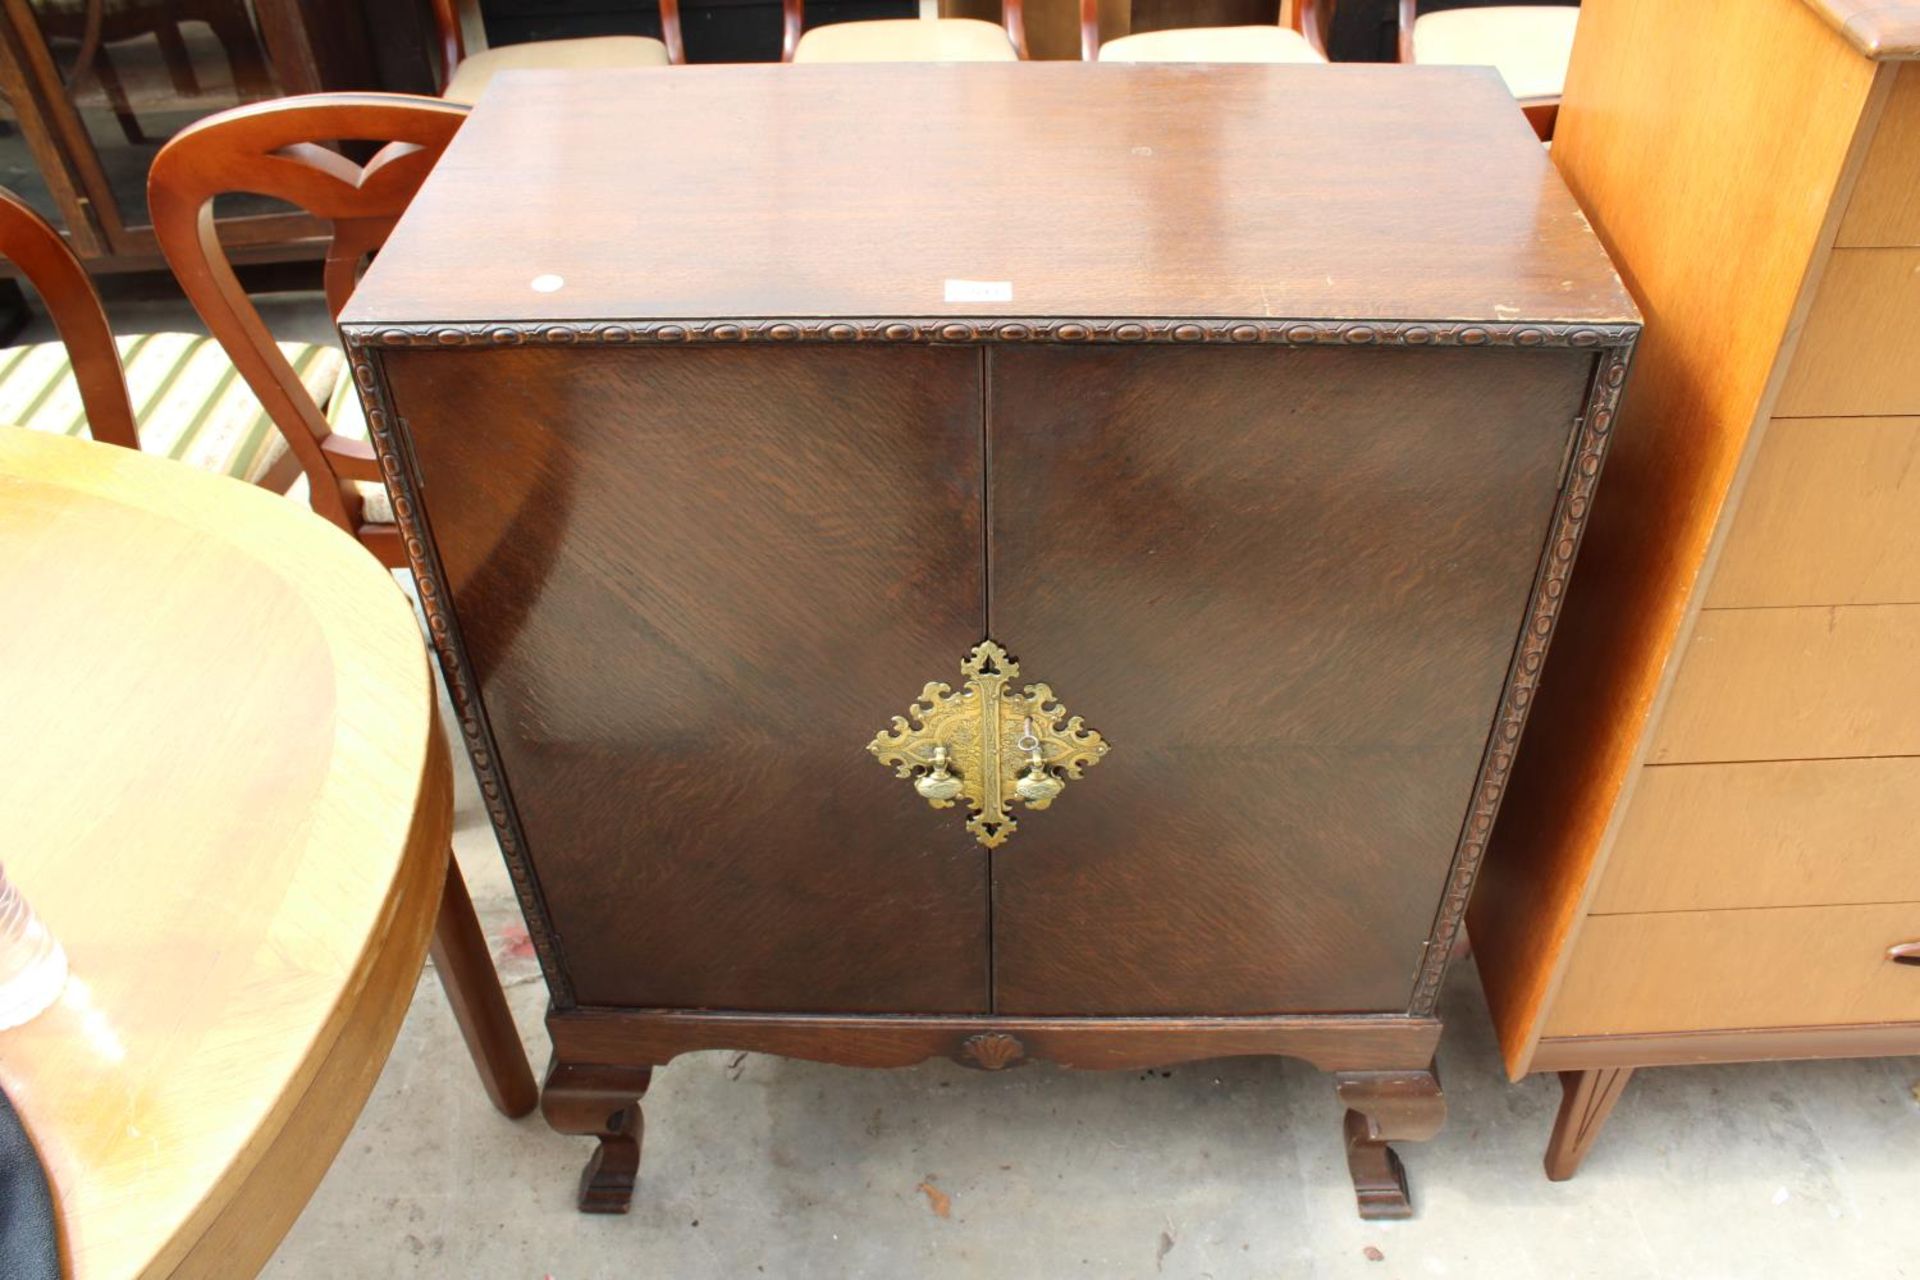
(1327, 588)
(690, 600)
(1431, 198)
(1792, 684)
(1856, 354)
(1705, 970)
(1779, 833)
(1723, 279)
(229, 800)
(1885, 209)
(1828, 516)
(1740, 1044)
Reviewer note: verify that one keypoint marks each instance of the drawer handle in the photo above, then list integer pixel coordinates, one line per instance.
(1904, 953)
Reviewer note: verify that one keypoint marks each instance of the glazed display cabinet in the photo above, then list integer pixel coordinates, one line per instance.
(90, 89)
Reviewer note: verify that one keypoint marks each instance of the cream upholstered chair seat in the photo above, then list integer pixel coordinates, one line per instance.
(1529, 45)
(189, 402)
(591, 53)
(907, 40)
(1265, 43)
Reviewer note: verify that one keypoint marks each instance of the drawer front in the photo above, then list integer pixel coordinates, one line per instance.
(1885, 209)
(1782, 833)
(1856, 356)
(1717, 970)
(1829, 516)
(1795, 684)
(1286, 585)
(692, 583)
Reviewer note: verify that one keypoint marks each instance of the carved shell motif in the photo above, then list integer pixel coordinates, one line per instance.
(993, 1050)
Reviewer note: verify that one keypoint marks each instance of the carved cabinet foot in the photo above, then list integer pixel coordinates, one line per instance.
(600, 1102)
(1586, 1100)
(1385, 1107)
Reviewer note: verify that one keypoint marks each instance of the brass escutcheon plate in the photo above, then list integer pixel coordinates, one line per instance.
(988, 744)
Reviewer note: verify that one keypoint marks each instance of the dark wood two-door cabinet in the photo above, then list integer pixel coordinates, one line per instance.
(1066, 584)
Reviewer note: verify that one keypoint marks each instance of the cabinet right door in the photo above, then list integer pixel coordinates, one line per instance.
(1286, 585)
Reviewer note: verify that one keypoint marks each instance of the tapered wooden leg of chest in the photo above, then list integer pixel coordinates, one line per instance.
(1586, 1100)
(601, 1102)
(1385, 1107)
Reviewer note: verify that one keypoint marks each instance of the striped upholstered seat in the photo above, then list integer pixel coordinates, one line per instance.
(189, 402)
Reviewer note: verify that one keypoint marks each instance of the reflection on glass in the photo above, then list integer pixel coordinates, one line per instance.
(18, 171)
(138, 71)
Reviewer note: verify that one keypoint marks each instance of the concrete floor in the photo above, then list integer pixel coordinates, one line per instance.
(757, 1166)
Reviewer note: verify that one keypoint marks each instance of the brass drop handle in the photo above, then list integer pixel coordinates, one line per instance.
(938, 784)
(1904, 953)
(1035, 785)
(993, 745)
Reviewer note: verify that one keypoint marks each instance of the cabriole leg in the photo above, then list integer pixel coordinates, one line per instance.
(1385, 1107)
(600, 1102)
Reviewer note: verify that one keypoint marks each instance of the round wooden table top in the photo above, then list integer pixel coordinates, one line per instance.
(225, 791)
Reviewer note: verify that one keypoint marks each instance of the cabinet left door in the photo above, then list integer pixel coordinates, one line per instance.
(691, 584)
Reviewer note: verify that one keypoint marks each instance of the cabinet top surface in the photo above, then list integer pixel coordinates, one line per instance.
(1060, 190)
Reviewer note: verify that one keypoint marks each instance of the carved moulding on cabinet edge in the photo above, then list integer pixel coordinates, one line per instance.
(1198, 330)
(397, 467)
(1568, 524)
(1611, 343)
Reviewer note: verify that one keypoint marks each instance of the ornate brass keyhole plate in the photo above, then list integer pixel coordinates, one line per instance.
(988, 744)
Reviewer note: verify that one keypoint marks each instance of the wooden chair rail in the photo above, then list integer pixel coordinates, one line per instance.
(50, 265)
(275, 149)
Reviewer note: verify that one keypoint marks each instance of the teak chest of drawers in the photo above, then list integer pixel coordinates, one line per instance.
(1200, 454)
(1708, 851)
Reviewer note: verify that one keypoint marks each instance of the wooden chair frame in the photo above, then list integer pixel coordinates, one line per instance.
(280, 150)
(50, 265)
(1013, 20)
(453, 42)
(1541, 113)
(1308, 17)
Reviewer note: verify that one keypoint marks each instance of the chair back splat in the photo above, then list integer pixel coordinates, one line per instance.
(281, 150)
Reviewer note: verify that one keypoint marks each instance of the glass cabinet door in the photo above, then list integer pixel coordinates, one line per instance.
(137, 71)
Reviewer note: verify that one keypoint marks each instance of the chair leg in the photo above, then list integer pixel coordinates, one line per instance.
(178, 59)
(109, 78)
(479, 1005)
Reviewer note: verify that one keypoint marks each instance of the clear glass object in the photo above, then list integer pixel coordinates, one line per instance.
(33, 967)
